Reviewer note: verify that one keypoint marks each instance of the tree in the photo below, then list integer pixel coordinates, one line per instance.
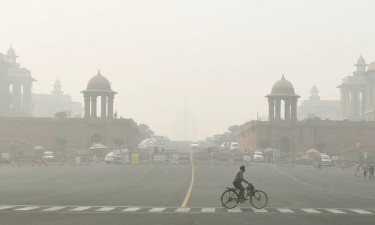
(320, 145)
(233, 128)
(61, 115)
(118, 141)
(264, 143)
(60, 141)
(13, 148)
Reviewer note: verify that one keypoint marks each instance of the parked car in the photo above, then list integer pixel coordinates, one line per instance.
(234, 146)
(194, 145)
(325, 159)
(258, 156)
(113, 157)
(48, 156)
(225, 145)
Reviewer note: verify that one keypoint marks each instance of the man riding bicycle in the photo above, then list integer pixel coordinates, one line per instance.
(238, 179)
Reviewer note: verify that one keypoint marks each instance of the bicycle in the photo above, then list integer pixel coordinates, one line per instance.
(230, 197)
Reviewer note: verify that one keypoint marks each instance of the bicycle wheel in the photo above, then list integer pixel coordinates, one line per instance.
(229, 199)
(259, 199)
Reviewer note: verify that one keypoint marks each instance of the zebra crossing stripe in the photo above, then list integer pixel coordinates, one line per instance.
(235, 210)
(335, 211)
(6, 207)
(208, 210)
(131, 209)
(79, 209)
(260, 210)
(105, 209)
(286, 210)
(360, 211)
(182, 210)
(27, 208)
(157, 210)
(53, 208)
(310, 210)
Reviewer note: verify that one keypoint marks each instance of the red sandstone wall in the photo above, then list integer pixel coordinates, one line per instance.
(77, 132)
(337, 135)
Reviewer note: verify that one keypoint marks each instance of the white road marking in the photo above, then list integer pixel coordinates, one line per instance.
(6, 207)
(157, 210)
(55, 208)
(286, 210)
(235, 210)
(105, 209)
(360, 211)
(208, 210)
(79, 209)
(335, 211)
(182, 210)
(27, 208)
(260, 210)
(310, 210)
(131, 209)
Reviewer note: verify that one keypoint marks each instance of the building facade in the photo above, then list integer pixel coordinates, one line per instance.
(358, 93)
(16, 87)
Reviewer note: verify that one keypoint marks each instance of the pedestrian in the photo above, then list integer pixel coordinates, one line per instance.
(357, 168)
(371, 169)
(365, 170)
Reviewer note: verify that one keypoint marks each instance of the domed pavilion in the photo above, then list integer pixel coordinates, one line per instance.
(282, 90)
(98, 86)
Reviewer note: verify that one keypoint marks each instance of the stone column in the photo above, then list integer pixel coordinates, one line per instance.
(27, 97)
(93, 106)
(17, 96)
(294, 109)
(355, 104)
(287, 109)
(363, 103)
(277, 109)
(110, 106)
(271, 109)
(87, 105)
(104, 106)
(347, 104)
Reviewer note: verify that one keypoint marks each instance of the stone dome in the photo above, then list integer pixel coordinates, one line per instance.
(361, 60)
(282, 87)
(99, 83)
(314, 88)
(11, 52)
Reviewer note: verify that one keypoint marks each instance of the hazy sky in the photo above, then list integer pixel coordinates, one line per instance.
(221, 56)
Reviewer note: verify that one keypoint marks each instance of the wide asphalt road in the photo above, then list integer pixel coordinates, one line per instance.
(167, 194)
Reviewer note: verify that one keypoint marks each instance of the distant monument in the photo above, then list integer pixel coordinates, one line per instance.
(48, 105)
(315, 107)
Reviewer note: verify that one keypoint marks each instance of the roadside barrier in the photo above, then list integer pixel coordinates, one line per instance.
(222, 159)
(202, 158)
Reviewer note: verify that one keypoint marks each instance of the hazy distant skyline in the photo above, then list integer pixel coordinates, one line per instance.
(221, 56)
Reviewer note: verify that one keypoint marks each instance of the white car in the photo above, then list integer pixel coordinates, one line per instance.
(194, 145)
(258, 156)
(113, 158)
(224, 145)
(48, 156)
(325, 159)
(234, 146)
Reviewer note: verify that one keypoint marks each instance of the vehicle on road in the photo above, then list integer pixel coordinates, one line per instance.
(325, 159)
(230, 197)
(234, 146)
(48, 156)
(113, 157)
(225, 145)
(194, 145)
(258, 156)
